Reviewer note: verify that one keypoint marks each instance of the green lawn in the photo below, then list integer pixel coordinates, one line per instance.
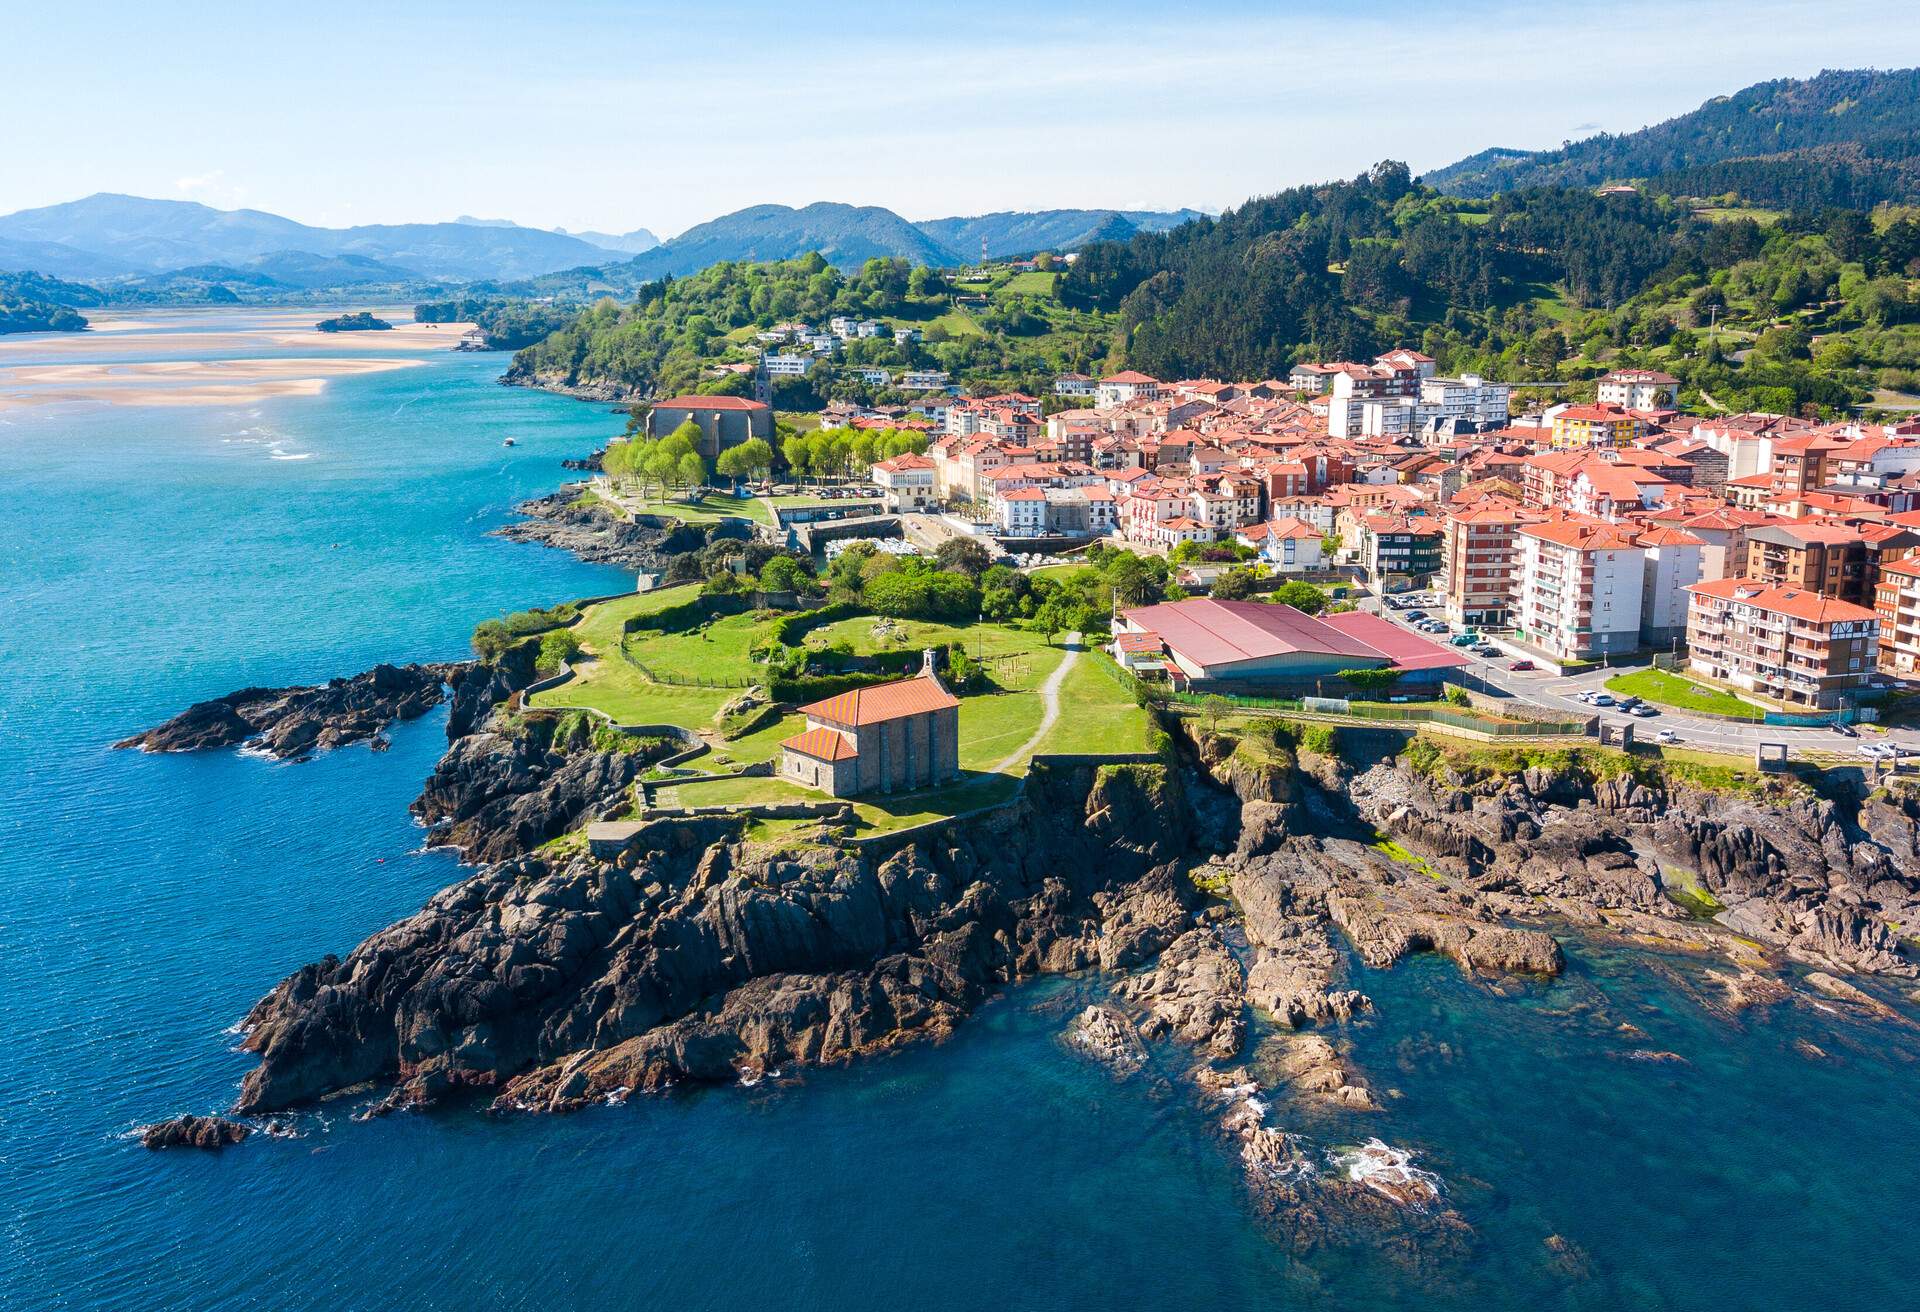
(958, 323)
(717, 650)
(1678, 691)
(708, 510)
(1097, 714)
(1027, 284)
(914, 635)
(610, 684)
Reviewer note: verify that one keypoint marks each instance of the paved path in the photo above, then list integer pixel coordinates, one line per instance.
(1050, 700)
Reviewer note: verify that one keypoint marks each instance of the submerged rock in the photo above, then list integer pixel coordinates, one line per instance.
(1106, 1035)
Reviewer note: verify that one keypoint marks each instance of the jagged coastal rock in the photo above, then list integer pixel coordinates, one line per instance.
(210, 1133)
(1212, 892)
(293, 722)
(596, 535)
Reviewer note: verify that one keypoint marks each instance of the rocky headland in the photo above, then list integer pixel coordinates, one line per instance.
(1217, 896)
(294, 722)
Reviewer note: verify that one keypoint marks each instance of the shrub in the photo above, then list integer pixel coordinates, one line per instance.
(1321, 739)
(1422, 756)
(492, 637)
(558, 647)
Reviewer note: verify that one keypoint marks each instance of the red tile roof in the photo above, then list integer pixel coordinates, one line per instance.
(708, 403)
(1795, 602)
(887, 701)
(821, 744)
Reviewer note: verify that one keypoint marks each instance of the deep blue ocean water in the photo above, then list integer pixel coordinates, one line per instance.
(149, 557)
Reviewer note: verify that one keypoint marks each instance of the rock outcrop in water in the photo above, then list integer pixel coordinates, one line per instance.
(209, 1133)
(294, 722)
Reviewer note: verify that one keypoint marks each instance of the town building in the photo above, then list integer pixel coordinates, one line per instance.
(906, 482)
(1819, 556)
(1125, 387)
(1672, 560)
(1286, 545)
(723, 421)
(895, 737)
(1581, 583)
(1074, 385)
(1897, 602)
(1400, 547)
(1595, 426)
(1639, 389)
(1786, 643)
(1479, 559)
(1250, 643)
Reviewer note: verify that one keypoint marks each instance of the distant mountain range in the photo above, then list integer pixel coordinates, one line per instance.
(850, 235)
(135, 241)
(155, 235)
(627, 243)
(1015, 232)
(1848, 138)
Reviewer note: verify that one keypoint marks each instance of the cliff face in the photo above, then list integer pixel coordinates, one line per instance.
(698, 957)
(599, 537)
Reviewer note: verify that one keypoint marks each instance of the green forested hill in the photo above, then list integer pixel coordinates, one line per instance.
(1840, 138)
(1549, 285)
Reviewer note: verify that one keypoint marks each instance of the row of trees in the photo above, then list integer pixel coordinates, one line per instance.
(846, 452)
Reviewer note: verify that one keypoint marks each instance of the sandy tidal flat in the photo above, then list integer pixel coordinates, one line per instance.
(180, 382)
(113, 364)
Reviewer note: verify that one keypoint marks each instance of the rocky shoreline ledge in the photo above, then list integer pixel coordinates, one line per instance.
(599, 537)
(293, 722)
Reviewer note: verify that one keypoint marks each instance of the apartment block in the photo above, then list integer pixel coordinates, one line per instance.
(1479, 549)
(1581, 583)
(1786, 643)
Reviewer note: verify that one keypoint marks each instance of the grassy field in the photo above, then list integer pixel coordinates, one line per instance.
(608, 683)
(912, 635)
(1677, 691)
(707, 510)
(1097, 715)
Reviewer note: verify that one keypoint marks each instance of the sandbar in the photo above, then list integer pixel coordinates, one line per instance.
(180, 382)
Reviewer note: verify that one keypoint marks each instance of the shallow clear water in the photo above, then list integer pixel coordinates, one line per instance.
(151, 557)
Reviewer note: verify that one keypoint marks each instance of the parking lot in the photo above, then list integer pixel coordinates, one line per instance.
(1502, 667)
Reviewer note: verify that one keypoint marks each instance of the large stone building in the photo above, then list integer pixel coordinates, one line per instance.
(723, 421)
(892, 738)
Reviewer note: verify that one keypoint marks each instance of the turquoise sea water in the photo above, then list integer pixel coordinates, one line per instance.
(149, 557)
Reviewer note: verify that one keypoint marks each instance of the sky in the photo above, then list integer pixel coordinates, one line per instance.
(617, 116)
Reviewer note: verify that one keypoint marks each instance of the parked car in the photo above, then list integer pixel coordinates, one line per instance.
(1875, 751)
(1666, 736)
(1486, 649)
(1464, 640)
(1601, 699)
(1416, 615)
(1628, 703)
(1520, 665)
(1844, 730)
(1643, 710)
